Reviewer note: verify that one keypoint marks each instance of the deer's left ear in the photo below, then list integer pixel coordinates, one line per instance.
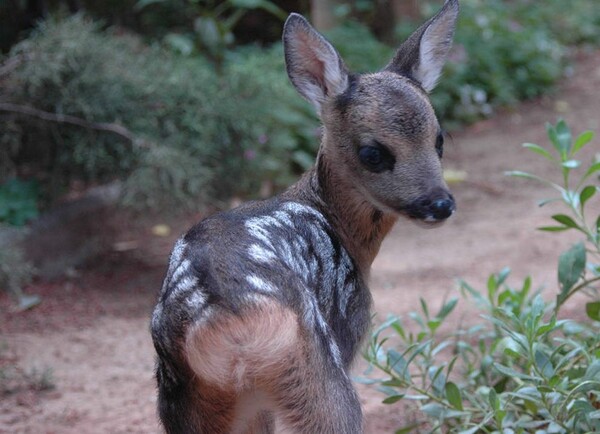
(313, 65)
(422, 56)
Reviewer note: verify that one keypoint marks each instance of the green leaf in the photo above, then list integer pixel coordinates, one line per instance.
(593, 168)
(586, 194)
(398, 364)
(438, 379)
(453, 395)
(519, 174)
(570, 267)
(394, 382)
(592, 310)
(538, 150)
(407, 429)
(563, 135)
(503, 275)
(544, 364)
(582, 140)
(433, 410)
(424, 307)
(553, 136)
(182, 44)
(398, 329)
(492, 286)
(553, 228)
(511, 372)
(392, 399)
(565, 220)
(434, 324)
(494, 401)
(509, 347)
(547, 201)
(447, 308)
(593, 371)
(547, 328)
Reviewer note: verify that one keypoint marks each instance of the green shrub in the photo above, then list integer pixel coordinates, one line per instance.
(359, 48)
(574, 22)
(190, 128)
(18, 201)
(522, 369)
(501, 60)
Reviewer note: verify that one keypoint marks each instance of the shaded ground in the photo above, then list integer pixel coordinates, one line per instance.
(82, 362)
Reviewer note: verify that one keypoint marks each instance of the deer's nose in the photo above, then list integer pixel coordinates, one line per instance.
(441, 209)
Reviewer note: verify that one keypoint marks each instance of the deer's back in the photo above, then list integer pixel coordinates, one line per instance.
(284, 250)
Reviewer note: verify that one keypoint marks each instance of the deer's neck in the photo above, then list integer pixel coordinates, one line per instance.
(361, 226)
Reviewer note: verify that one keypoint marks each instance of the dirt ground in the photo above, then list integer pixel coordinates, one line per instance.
(82, 362)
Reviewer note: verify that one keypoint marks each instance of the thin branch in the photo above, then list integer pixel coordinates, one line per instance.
(11, 64)
(73, 120)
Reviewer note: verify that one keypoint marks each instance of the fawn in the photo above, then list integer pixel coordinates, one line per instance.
(264, 307)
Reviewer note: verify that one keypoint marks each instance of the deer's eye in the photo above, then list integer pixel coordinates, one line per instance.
(376, 158)
(439, 145)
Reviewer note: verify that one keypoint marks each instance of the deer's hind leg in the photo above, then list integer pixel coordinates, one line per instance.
(278, 371)
(314, 394)
(190, 407)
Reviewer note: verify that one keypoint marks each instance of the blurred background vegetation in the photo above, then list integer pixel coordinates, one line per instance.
(186, 102)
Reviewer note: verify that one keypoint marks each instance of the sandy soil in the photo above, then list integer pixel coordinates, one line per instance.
(82, 361)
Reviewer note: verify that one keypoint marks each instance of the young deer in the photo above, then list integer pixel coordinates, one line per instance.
(264, 307)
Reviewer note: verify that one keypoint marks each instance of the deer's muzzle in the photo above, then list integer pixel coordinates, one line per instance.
(434, 207)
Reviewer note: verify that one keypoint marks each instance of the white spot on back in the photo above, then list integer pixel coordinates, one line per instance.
(260, 284)
(283, 218)
(156, 315)
(296, 208)
(177, 253)
(180, 270)
(185, 284)
(256, 228)
(195, 300)
(261, 254)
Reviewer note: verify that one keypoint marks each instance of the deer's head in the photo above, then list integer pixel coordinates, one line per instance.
(380, 130)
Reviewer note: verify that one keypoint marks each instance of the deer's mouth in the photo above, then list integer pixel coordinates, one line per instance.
(431, 211)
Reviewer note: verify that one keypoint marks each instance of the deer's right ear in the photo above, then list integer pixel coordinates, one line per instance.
(315, 68)
(424, 53)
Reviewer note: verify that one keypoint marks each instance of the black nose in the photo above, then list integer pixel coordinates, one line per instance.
(441, 209)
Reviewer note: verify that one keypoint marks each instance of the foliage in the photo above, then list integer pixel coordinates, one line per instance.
(359, 48)
(499, 60)
(191, 128)
(575, 194)
(521, 369)
(188, 128)
(18, 201)
(504, 52)
(574, 22)
(211, 30)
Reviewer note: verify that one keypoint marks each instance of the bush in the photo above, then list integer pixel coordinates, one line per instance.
(523, 369)
(187, 129)
(96, 105)
(18, 202)
(500, 60)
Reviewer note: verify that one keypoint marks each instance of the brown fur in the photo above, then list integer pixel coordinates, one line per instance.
(237, 352)
(265, 307)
